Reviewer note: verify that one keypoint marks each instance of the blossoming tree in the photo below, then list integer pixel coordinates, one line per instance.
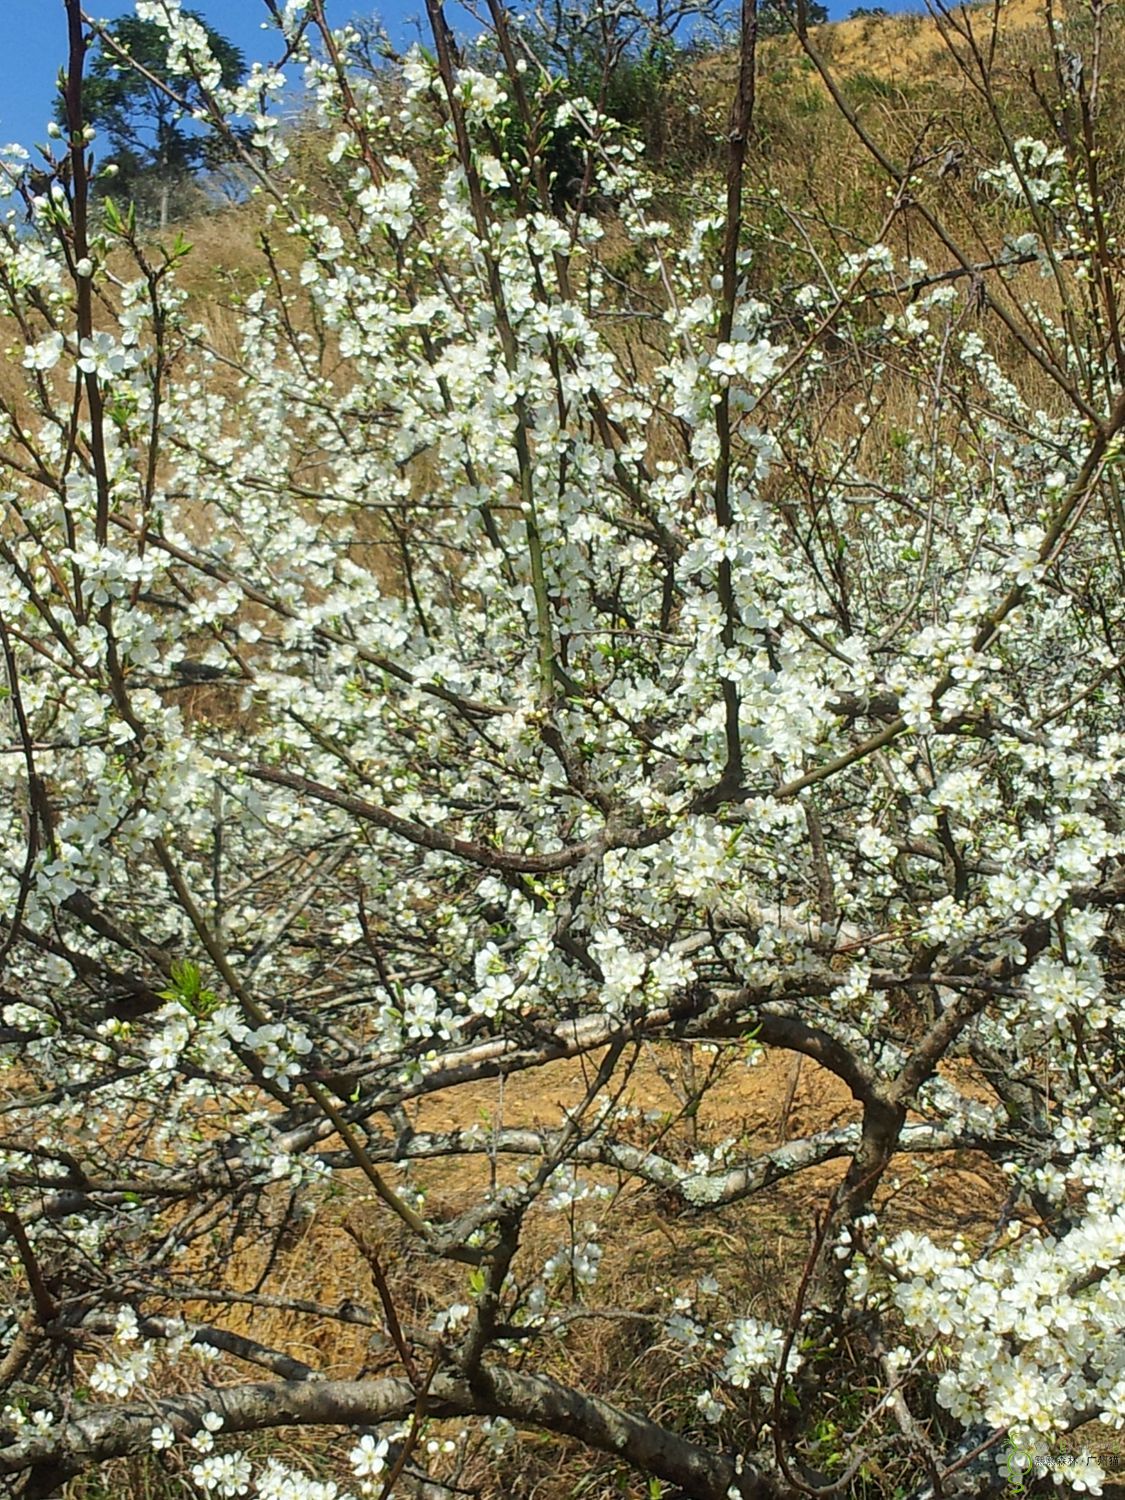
(476, 661)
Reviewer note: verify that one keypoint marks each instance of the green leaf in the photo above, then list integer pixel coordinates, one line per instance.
(187, 989)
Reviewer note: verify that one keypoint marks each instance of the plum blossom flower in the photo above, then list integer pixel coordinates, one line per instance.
(46, 354)
(369, 1457)
(492, 172)
(750, 362)
(104, 357)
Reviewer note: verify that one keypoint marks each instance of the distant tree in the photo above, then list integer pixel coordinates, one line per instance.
(776, 17)
(154, 149)
(868, 13)
(621, 55)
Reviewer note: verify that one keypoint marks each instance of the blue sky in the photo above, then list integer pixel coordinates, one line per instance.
(35, 45)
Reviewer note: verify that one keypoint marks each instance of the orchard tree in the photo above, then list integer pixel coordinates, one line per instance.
(480, 662)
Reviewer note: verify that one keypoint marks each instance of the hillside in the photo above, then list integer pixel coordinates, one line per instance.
(909, 49)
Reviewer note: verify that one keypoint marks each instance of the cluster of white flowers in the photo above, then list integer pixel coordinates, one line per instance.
(1031, 175)
(223, 1474)
(581, 1259)
(118, 1376)
(755, 1352)
(279, 1048)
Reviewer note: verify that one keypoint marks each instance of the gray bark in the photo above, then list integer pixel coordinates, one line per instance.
(93, 1436)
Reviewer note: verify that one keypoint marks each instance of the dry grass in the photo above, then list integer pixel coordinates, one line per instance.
(653, 1248)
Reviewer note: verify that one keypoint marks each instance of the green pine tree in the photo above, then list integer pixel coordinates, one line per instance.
(144, 133)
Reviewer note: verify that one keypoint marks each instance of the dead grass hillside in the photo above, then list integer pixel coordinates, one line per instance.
(907, 48)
